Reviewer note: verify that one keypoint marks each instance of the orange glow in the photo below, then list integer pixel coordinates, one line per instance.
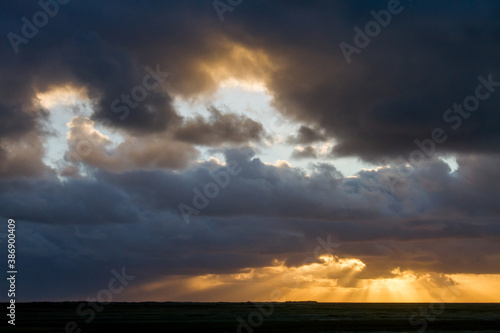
(238, 66)
(331, 279)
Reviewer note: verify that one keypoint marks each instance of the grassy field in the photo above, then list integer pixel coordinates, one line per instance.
(248, 317)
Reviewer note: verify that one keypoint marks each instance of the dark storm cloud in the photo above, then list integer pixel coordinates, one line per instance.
(124, 93)
(265, 190)
(395, 91)
(70, 51)
(220, 128)
(378, 207)
(259, 189)
(265, 212)
(399, 87)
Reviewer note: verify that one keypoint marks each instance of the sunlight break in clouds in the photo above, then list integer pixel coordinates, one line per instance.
(322, 146)
(330, 280)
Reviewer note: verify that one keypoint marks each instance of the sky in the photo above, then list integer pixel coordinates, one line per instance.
(336, 151)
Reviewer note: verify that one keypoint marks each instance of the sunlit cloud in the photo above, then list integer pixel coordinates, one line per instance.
(61, 96)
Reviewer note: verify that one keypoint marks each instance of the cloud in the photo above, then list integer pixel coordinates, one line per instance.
(220, 128)
(155, 151)
(23, 157)
(21, 136)
(306, 152)
(307, 135)
(116, 203)
(266, 213)
(388, 96)
(374, 107)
